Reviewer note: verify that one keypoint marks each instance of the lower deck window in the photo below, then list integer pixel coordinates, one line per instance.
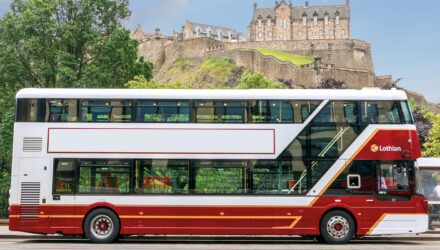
(161, 176)
(220, 177)
(112, 177)
(224, 177)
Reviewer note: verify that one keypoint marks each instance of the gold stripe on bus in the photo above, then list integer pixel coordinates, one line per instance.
(209, 217)
(45, 216)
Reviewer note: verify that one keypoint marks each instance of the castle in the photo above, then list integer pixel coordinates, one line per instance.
(320, 32)
(286, 22)
(281, 23)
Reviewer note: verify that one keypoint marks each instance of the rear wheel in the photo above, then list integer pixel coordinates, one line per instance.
(102, 226)
(337, 227)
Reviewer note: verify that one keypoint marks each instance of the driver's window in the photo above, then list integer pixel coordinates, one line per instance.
(393, 176)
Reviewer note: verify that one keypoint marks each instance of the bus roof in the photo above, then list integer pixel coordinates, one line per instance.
(216, 94)
(428, 162)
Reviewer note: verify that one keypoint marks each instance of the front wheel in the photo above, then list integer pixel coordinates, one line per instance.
(102, 226)
(337, 227)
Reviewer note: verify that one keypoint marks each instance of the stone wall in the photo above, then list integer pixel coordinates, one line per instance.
(154, 50)
(307, 75)
(344, 60)
(344, 53)
(421, 101)
(194, 49)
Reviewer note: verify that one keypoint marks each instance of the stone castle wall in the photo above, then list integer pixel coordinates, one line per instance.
(346, 53)
(344, 60)
(307, 75)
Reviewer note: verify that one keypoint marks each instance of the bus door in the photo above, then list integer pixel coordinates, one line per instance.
(34, 194)
(62, 194)
(392, 194)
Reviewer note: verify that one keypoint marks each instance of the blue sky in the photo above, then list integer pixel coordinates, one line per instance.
(404, 34)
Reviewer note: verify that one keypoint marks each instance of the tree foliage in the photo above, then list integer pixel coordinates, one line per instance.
(68, 43)
(255, 80)
(63, 43)
(140, 82)
(432, 143)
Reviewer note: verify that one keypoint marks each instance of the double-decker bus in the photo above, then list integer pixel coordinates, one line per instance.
(110, 162)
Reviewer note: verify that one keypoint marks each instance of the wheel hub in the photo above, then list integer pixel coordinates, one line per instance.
(101, 226)
(338, 227)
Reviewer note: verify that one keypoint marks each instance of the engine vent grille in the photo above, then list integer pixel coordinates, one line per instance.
(29, 201)
(32, 144)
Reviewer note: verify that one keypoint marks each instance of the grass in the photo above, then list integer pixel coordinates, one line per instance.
(286, 57)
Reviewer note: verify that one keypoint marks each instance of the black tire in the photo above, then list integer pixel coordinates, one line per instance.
(102, 226)
(337, 227)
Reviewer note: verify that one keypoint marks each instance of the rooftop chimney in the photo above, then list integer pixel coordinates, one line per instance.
(157, 31)
(290, 3)
(276, 3)
(348, 3)
(255, 5)
(307, 3)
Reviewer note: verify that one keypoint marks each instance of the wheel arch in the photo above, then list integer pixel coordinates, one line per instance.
(340, 209)
(98, 206)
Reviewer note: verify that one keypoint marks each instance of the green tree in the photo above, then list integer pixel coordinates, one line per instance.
(432, 144)
(68, 43)
(63, 43)
(251, 80)
(140, 82)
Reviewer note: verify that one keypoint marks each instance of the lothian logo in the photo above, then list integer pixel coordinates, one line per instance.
(374, 148)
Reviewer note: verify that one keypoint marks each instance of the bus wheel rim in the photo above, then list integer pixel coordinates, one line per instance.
(101, 226)
(338, 227)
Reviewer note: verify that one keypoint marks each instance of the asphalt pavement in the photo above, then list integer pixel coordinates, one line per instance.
(21, 240)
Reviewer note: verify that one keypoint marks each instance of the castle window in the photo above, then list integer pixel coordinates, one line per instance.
(281, 36)
(209, 33)
(281, 23)
(321, 33)
(230, 36)
(337, 19)
(310, 33)
(342, 32)
(304, 20)
(269, 22)
(270, 34)
(260, 35)
(326, 20)
(300, 33)
(315, 20)
(198, 31)
(186, 33)
(331, 32)
(282, 10)
(220, 35)
(259, 23)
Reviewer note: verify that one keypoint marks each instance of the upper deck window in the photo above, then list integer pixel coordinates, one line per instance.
(106, 111)
(220, 111)
(162, 111)
(210, 111)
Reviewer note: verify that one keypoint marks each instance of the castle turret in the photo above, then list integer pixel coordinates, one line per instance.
(348, 4)
(255, 6)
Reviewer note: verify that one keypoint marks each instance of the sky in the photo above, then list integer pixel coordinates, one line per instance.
(404, 34)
